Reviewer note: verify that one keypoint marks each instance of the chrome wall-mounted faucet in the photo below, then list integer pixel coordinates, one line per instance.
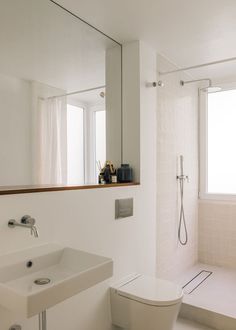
(26, 222)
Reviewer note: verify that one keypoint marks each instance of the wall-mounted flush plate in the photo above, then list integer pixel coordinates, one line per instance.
(123, 208)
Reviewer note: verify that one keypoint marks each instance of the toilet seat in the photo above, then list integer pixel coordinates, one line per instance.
(151, 291)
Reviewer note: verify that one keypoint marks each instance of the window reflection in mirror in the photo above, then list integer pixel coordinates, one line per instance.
(75, 145)
(60, 97)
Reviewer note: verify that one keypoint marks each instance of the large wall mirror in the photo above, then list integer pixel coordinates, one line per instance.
(60, 97)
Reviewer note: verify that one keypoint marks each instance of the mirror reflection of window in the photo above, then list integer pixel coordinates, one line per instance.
(41, 71)
(100, 139)
(75, 145)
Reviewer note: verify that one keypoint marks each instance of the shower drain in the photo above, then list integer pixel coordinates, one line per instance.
(42, 281)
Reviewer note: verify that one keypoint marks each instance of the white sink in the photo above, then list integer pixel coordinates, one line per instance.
(70, 271)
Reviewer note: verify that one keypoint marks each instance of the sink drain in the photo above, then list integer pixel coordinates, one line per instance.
(42, 281)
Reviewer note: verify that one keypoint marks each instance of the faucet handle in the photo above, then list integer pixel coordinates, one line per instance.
(12, 223)
(27, 220)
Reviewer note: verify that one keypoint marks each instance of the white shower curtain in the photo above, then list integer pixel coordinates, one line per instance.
(51, 140)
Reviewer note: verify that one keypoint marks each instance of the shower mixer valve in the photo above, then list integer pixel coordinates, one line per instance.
(183, 177)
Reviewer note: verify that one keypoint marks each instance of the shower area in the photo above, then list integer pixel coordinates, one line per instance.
(196, 237)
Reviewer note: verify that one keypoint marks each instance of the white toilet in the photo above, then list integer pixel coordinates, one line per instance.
(145, 303)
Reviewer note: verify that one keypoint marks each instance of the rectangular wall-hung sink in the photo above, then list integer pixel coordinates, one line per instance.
(35, 279)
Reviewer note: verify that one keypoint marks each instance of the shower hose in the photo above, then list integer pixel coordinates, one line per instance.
(182, 221)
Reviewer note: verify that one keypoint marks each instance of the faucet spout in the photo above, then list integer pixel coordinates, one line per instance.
(34, 231)
(26, 222)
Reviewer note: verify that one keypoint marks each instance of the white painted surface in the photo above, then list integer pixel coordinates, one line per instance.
(183, 324)
(176, 135)
(48, 45)
(187, 32)
(15, 131)
(131, 101)
(113, 102)
(84, 219)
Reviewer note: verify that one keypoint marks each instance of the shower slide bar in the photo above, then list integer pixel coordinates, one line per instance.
(196, 281)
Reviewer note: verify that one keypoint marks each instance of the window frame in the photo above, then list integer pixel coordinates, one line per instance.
(203, 147)
(89, 147)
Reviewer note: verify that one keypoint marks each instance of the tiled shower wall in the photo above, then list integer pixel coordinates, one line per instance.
(176, 135)
(217, 233)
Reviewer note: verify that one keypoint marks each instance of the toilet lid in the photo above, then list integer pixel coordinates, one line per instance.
(152, 291)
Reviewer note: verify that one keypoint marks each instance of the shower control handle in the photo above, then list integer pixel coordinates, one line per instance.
(183, 177)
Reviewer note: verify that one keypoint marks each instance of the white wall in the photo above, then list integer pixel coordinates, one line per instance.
(113, 101)
(131, 101)
(15, 131)
(84, 219)
(176, 135)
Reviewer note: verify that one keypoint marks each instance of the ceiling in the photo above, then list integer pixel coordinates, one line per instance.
(187, 32)
(46, 44)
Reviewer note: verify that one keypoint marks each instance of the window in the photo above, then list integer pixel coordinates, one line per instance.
(100, 139)
(86, 143)
(75, 145)
(219, 141)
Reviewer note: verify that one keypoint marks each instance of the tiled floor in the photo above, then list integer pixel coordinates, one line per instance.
(217, 293)
(183, 324)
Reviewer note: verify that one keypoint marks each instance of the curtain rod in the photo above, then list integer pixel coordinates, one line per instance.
(76, 92)
(199, 66)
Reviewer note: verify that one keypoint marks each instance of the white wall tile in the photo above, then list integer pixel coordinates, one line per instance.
(217, 233)
(176, 135)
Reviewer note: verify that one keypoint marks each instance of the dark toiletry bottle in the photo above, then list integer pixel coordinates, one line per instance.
(107, 174)
(124, 173)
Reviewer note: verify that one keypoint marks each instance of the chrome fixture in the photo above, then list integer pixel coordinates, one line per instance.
(154, 84)
(26, 222)
(43, 321)
(182, 221)
(196, 281)
(73, 93)
(15, 327)
(199, 66)
(208, 89)
(42, 281)
(160, 83)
